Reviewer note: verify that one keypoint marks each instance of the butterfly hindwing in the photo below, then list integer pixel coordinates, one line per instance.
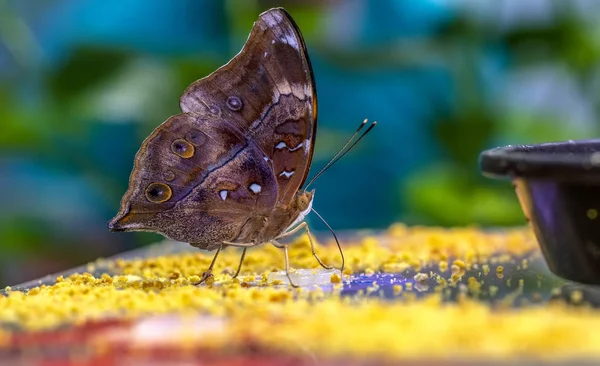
(197, 179)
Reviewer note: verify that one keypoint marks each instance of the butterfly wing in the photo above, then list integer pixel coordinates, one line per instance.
(268, 91)
(197, 179)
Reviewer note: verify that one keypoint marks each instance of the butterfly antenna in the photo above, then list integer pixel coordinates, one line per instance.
(354, 144)
(336, 240)
(339, 152)
(344, 150)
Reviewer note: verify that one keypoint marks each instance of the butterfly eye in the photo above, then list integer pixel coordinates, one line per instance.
(182, 148)
(158, 192)
(195, 137)
(234, 103)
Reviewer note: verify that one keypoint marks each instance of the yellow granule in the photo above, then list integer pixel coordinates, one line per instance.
(397, 289)
(335, 278)
(443, 265)
(313, 321)
(459, 263)
(474, 285)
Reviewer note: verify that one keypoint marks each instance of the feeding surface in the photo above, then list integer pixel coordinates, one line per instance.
(406, 293)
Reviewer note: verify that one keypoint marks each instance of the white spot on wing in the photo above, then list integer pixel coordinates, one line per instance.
(286, 173)
(299, 91)
(307, 89)
(282, 144)
(297, 147)
(307, 145)
(284, 88)
(266, 159)
(223, 194)
(291, 40)
(277, 15)
(255, 188)
(272, 18)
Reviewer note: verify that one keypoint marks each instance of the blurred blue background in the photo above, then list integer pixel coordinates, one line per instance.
(82, 83)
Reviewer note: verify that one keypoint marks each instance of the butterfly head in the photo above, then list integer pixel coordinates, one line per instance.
(304, 200)
(302, 205)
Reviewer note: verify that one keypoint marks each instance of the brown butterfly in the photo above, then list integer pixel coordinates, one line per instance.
(228, 170)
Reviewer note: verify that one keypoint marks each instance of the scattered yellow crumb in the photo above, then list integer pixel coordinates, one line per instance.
(443, 265)
(459, 263)
(474, 285)
(397, 289)
(500, 269)
(455, 277)
(486, 269)
(335, 278)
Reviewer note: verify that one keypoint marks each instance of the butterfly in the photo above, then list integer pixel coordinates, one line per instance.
(228, 170)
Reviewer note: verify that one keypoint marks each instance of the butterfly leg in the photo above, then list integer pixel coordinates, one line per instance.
(312, 244)
(239, 245)
(287, 261)
(241, 261)
(208, 272)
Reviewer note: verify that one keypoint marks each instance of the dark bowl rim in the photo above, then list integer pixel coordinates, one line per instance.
(528, 161)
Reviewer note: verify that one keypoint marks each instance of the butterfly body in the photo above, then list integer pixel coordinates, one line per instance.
(229, 169)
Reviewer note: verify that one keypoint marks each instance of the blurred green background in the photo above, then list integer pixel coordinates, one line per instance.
(82, 83)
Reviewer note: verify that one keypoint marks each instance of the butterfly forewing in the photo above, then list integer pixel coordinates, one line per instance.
(268, 91)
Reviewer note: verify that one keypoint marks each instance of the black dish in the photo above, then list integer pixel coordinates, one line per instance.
(558, 186)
